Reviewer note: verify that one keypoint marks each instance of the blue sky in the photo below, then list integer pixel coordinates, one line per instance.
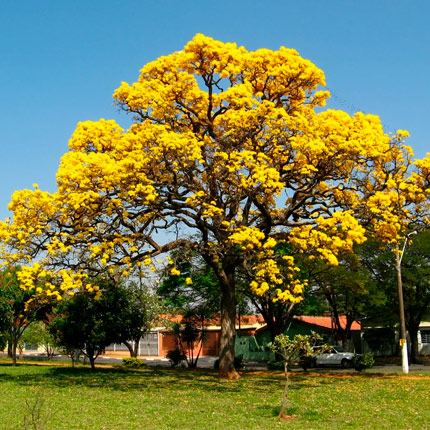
(61, 62)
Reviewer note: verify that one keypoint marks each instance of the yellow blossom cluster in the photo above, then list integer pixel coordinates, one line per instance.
(247, 237)
(403, 198)
(53, 284)
(280, 276)
(329, 236)
(229, 151)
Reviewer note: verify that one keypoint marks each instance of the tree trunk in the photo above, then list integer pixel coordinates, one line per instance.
(9, 349)
(90, 353)
(228, 330)
(14, 352)
(132, 349)
(413, 334)
(20, 351)
(276, 327)
(285, 394)
(13, 340)
(136, 347)
(74, 355)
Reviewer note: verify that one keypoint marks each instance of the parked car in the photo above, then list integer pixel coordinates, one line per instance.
(336, 356)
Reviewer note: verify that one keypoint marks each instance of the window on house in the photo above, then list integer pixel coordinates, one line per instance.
(425, 336)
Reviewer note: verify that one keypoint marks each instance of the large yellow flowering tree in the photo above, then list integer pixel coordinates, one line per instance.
(229, 154)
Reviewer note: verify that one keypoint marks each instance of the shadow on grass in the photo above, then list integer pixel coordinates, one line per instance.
(296, 412)
(158, 378)
(298, 383)
(120, 379)
(129, 380)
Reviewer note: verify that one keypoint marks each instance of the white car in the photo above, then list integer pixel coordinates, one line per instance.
(337, 356)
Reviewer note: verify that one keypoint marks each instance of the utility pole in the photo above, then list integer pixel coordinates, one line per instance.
(402, 341)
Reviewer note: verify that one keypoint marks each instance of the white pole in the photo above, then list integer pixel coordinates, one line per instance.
(403, 342)
(405, 363)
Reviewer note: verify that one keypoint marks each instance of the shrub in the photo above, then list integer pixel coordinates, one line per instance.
(307, 362)
(238, 363)
(35, 417)
(132, 362)
(175, 356)
(363, 361)
(276, 365)
(293, 351)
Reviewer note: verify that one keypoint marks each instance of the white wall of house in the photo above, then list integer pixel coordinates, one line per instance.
(424, 338)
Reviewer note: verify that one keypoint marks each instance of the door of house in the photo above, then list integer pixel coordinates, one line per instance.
(149, 344)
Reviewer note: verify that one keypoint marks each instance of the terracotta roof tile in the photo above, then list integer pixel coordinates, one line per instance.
(327, 321)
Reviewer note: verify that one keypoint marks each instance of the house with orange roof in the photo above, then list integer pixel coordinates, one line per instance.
(252, 336)
(257, 347)
(161, 339)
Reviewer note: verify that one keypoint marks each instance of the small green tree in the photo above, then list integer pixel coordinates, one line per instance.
(190, 335)
(18, 309)
(292, 351)
(89, 324)
(38, 334)
(348, 291)
(4, 321)
(35, 416)
(416, 285)
(141, 313)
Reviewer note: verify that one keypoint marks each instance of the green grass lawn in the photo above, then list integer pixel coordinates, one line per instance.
(164, 398)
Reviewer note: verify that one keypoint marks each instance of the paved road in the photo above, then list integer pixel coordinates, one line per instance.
(208, 363)
(203, 362)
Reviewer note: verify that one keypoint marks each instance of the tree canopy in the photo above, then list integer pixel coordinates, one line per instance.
(416, 285)
(18, 309)
(230, 153)
(84, 323)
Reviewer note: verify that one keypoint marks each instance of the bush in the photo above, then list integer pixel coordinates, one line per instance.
(238, 363)
(175, 356)
(280, 365)
(363, 361)
(276, 365)
(307, 362)
(132, 362)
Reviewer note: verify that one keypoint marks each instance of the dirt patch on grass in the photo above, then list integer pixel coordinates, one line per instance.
(288, 418)
(338, 375)
(57, 364)
(365, 375)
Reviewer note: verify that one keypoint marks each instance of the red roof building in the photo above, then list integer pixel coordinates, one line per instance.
(327, 321)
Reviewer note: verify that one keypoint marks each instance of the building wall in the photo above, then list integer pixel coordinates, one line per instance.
(210, 345)
(393, 348)
(167, 342)
(424, 339)
(251, 348)
(258, 347)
